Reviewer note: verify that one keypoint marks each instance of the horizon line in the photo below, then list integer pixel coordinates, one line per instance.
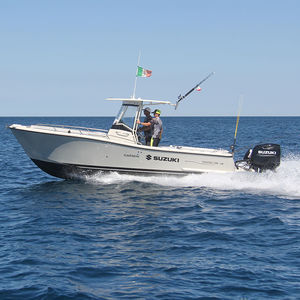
(113, 116)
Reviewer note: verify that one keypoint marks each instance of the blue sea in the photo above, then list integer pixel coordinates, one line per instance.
(209, 236)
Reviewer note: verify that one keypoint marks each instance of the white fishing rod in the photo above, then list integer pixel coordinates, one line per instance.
(237, 123)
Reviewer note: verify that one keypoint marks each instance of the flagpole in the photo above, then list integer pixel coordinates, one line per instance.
(133, 96)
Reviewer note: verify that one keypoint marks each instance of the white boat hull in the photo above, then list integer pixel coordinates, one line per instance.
(69, 153)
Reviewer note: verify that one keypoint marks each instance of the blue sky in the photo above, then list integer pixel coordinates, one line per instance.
(63, 57)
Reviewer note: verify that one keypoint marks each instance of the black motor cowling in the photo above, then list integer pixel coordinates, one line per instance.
(263, 157)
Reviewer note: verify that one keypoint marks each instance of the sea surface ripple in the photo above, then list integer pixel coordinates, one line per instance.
(112, 236)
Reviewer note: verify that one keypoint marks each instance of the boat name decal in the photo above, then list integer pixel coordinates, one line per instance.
(163, 158)
(131, 155)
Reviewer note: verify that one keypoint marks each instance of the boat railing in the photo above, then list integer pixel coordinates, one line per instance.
(69, 129)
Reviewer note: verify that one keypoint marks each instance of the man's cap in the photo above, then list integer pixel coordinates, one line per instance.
(147, 109)
(157, 111)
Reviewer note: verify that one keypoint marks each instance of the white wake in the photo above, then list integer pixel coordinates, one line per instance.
(284, 182)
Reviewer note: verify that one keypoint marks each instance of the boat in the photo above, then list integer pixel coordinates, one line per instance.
(72, 152)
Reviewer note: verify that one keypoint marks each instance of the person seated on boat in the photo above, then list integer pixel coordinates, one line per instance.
(156, 128)
(147, 129)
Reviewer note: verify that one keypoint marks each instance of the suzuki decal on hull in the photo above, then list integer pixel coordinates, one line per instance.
(163, 158)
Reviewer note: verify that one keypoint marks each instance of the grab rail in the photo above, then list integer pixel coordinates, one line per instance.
(79, 128)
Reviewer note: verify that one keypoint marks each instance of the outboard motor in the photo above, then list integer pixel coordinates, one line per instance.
(261, 157)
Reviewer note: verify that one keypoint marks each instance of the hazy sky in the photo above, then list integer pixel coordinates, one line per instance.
(64, 57)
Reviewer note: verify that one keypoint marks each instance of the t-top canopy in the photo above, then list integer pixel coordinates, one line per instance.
(139, 100)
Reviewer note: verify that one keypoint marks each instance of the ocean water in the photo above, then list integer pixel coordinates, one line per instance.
(209, 236)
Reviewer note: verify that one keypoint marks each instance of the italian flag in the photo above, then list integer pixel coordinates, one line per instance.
(141, 72)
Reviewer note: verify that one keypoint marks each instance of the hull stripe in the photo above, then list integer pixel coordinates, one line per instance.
(68, 171)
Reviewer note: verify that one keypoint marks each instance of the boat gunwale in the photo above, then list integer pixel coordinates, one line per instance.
(96, 137)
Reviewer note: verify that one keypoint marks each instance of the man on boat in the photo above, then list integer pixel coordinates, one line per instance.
(156, 128)
(147, 129)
